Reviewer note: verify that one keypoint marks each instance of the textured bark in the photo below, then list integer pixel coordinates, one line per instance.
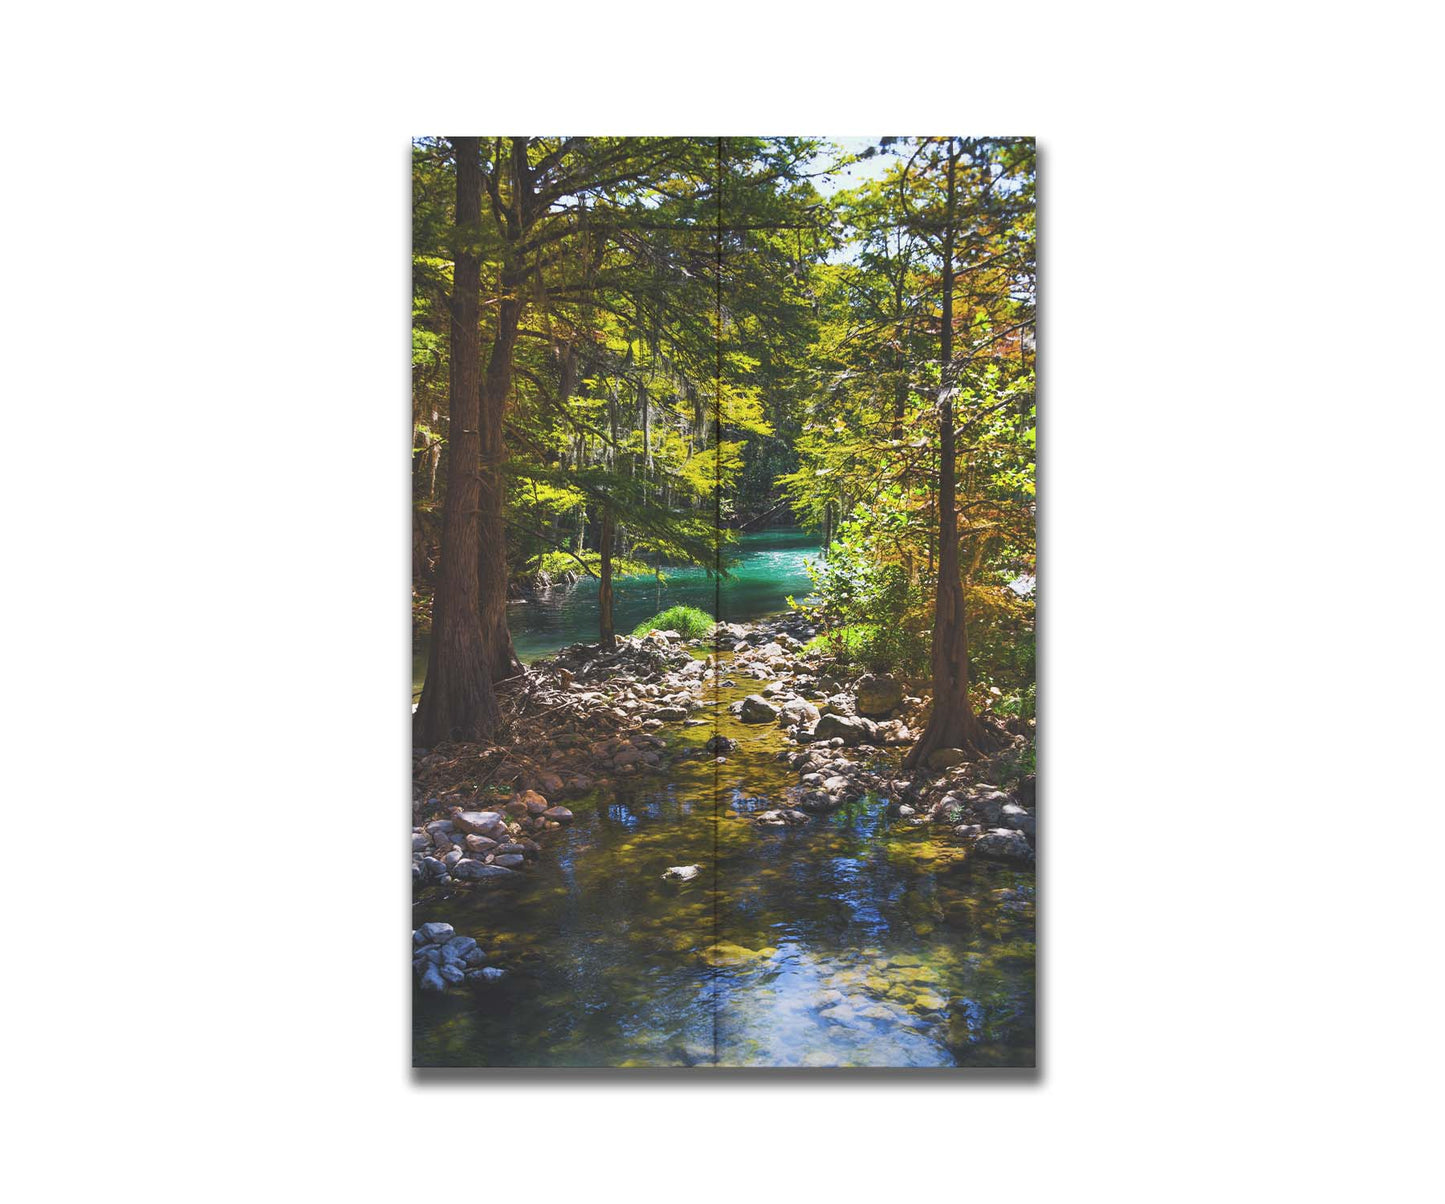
(457, 700)
(952, 723)
(492, 529)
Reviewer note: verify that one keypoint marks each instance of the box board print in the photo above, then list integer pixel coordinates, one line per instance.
(723, 579)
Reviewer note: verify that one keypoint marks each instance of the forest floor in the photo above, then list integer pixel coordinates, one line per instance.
(482, 813)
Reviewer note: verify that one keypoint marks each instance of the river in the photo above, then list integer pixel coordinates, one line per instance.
(855, 940)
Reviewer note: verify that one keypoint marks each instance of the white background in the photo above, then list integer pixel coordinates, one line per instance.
(205, 285)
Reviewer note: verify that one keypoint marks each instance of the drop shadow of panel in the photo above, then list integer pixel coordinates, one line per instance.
(713, 1077)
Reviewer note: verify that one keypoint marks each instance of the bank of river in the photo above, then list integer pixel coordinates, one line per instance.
(858, 938)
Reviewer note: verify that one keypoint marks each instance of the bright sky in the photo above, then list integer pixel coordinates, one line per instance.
(851, 176)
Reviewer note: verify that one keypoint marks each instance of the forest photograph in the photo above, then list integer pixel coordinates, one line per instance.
(723, 601)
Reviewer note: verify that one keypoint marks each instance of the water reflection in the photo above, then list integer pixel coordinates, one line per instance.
(851, 941)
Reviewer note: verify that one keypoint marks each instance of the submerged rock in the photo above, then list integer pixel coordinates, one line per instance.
(681, 873)
(476, 871)
(780, 818)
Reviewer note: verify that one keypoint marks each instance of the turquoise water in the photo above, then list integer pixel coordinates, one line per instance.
(768, 567)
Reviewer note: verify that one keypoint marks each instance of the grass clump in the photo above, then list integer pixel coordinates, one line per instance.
(688, 621)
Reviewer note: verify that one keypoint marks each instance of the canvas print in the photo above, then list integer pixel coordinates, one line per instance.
(724, 585)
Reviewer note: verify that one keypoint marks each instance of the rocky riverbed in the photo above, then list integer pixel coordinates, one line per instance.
(441, 959)
(483, 813)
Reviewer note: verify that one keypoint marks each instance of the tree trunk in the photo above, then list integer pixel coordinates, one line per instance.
(952, 723)
(496, 386)
(457, 701)
(605, 635)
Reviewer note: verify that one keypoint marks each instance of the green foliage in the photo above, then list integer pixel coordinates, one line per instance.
(687, 621)
(876, 613)
(589, 563)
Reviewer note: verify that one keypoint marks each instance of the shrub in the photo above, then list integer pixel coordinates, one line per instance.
(687, 621)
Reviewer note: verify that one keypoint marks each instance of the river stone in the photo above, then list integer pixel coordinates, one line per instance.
(681, 873)
(508, 861)
(842, 727)
(420, 842)
(481, 844)
(436, 933)
(459, 947)
(532, 802)
(1014, 816)
(719, 744)
(798, 711)
(558, 815)
(946, 758)
(670, 714)
(431, 980)
(1004, 844)
(475, 871)
(483, 823)
(785, 817)
(878, 694)
(811, 800)
(757, 709)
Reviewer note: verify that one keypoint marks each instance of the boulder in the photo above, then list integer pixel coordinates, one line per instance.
(878, 694)
(845, 727)
(757, 709)
(946, 758)
(436, 933)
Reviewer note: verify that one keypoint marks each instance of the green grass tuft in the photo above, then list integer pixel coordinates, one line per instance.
(687, 621)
